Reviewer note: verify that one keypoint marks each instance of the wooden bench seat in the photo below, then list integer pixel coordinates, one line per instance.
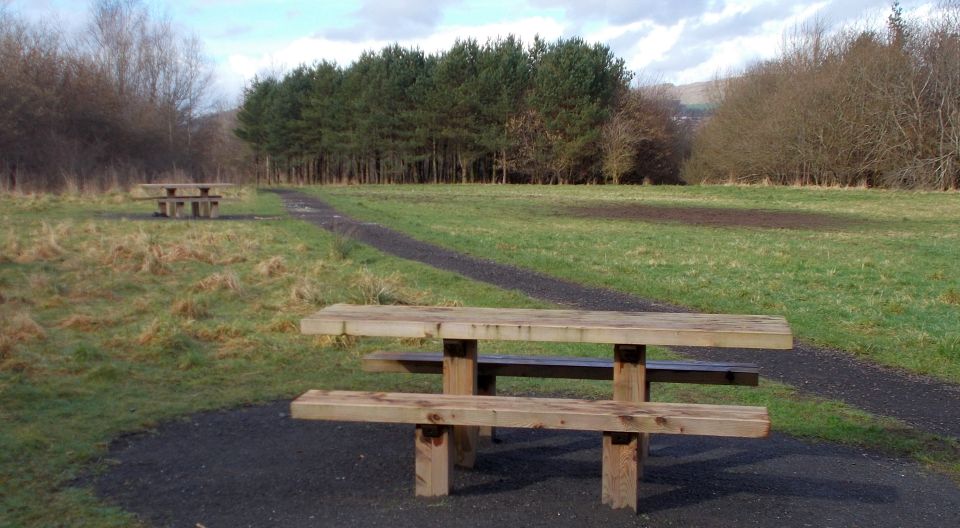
(211, 198)
(682, 371)
(434, 414)
(175, 198)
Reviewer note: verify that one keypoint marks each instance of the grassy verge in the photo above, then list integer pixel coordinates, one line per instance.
(883, 283)
(109, 326)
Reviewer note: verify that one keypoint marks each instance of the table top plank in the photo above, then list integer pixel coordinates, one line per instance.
(184, 185)
(568, 326)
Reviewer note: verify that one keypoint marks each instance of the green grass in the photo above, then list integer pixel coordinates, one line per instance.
(111, 326)
(886, 286)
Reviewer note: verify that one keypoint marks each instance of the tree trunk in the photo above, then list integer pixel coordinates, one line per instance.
(503, 160)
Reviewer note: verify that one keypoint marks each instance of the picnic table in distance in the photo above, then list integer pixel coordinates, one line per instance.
(203, 205)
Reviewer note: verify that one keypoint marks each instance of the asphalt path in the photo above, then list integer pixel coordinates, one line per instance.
(254, 466)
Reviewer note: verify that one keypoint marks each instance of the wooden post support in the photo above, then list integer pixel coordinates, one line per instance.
(194, 209)
(162, 206)
(214, 209)
(622, 462)
(487, 386)
(434, 454)
(460, 377)
(205, 205)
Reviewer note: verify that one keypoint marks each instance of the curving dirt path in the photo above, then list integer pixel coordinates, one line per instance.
(920, 401)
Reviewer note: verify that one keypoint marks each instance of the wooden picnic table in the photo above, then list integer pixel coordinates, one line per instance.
(461, 328)
(203, 205)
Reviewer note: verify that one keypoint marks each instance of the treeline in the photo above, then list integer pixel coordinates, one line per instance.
(124, 100)
(559, 112)
(854, 108)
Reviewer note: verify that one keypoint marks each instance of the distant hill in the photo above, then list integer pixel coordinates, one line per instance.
(700, 95)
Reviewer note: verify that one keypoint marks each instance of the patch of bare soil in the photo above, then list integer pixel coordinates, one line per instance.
(715, 216)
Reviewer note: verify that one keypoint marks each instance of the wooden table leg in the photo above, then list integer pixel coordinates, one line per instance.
(434, 457)
(168, 209)
(205, 205)
(622, 461)
(460, 377)
(487, 386)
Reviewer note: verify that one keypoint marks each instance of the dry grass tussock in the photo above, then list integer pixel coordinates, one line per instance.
(20, 328)
(190, 308)
(237, 348)
(136, 252)
(186, 252)
(38, 282)
(308, 292)
(163, 336)
(220, 333)
(951, 296)
(83, 323)
(45, 244)
(227, 280)
(271, 267)
(369, 288)
(10, 249)
(213, 239)
(151, 333)
(280, 326)
(145, 253)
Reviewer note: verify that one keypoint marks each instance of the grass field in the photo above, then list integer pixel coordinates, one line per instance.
(880, 279)
(109, 326)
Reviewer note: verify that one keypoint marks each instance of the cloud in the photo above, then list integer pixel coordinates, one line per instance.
(394, 20)
(310, 49)
(678, 41)
(627, 11)
(726, 38)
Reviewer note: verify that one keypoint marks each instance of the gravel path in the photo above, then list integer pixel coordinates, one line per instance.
(920, 401)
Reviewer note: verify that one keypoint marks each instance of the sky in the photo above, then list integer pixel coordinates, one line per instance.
(678, 41)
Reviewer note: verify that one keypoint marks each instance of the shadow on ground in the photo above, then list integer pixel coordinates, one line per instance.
(257, 467)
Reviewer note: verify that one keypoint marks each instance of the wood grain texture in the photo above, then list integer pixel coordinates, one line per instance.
(460, 377)
(681, 371)
(536, 413)
(487, 386)
(570, 326)
(619, 479)
(622, 465)
(433, 467)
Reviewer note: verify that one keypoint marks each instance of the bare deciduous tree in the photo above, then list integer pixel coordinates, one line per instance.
(856, 107)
